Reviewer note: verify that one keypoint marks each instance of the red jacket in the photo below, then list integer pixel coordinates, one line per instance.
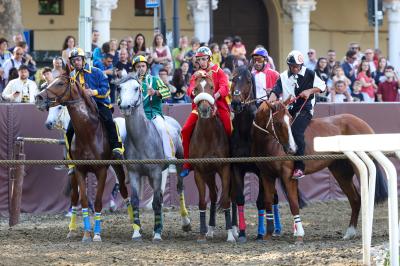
(221, 85)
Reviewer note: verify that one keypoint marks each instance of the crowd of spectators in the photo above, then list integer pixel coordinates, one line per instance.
(357, 77)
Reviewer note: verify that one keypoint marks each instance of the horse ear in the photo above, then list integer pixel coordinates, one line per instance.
(68, 69)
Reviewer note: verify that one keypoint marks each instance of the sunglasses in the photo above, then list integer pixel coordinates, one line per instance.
(19, 54)
(204, 59)
(310, 53)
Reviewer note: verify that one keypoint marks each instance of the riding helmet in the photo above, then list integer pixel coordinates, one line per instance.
(75, 52)
(295, 58)
(203, 51)
(138, 59)
(260, 52)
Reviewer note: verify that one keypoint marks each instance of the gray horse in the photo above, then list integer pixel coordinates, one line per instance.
(144, 142)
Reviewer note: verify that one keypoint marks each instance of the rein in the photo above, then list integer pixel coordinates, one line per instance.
(53, 100)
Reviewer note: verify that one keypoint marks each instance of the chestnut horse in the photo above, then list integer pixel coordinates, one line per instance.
(90, 142)
(272, 136)
(210, 140)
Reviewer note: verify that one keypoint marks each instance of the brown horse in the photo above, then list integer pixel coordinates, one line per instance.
(90, 142)
(210, 140)
(272, 135)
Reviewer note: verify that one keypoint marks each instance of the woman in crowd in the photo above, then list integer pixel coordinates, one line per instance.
(216, 54)
(367, 82)
(68, 45)
(161, 54)
(113, 51)
(58, 67)
(379, 74)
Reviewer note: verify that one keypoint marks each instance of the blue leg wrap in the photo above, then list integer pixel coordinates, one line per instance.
(86, 220)
(277, 218)
(261, 225)
(97, 223)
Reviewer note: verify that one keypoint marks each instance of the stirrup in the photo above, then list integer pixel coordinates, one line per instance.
(298, 174)
(184, 173)
(117, 154)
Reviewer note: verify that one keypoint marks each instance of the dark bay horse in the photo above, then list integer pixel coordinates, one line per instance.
(209, 140)
(272, 136)
(90, 142)
(244, 107)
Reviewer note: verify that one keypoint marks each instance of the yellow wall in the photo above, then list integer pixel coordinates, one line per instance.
(123, 22)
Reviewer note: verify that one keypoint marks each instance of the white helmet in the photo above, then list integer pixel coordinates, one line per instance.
(295, 58)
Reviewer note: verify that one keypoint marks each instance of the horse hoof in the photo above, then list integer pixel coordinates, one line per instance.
(351, 233)
(267, 238)
(276, 234)
(259, 238)
(97, 238)
(187, 228)
(72, 234)
(157, 238)
(242, 239)
(86, 239)
(201, 239)
(231, 240)
(299, 241)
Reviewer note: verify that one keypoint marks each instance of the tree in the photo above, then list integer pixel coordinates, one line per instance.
(10, 18)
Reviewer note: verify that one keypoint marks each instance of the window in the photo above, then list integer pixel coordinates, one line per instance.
(141, 10)
(50, 7)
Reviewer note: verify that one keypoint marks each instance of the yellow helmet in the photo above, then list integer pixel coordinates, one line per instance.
(138, 59)
(76, 52)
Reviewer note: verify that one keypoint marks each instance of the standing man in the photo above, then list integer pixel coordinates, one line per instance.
(95, 39)
(22, 89)
(302, 83)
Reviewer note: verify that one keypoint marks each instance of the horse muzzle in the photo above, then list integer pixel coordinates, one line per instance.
(41, 103)
(126, 110)
(49, 125)
(236, 106)
(289, 150)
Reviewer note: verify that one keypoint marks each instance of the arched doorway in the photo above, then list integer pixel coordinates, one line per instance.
(247, 19)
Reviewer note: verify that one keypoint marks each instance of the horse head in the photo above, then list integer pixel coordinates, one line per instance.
(130, 94)
(204, 96)
(241, 88)
(54, 118)
(275, 119)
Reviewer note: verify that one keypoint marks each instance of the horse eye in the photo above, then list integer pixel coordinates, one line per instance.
(59, 107)
(60, 83)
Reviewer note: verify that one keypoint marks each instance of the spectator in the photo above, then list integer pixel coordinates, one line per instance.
(107, 67)
(13, 64)
(161, 54)
(113, 51)
(129, 42)
(367, 82)
(69, 44)
(388, 91)
(321, 69)
(122, 45)
(178, 53)
(95, 39)
(369, 57)
(22, 89)
(332, 63)
(357, 95)
(16, 39)
(58, 66)
(124, 66)
(239, 51)
(377, 56)
(195, 44)
(339, 75)
(4, 56)
(228, 41)
(139, 47)
(349, 67)
(164, 76)
(28, 60)
(47, 75)
(339, 93)
(312, 59)
(99, 54)
(185, 72)
(181, 84)
(168, 68)
(216, 54)
(355, 46)
(379, 74)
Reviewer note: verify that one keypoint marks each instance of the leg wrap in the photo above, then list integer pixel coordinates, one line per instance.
(213, 208)
(184, 212)
(86, 220)
(72, 224)
(203, 226)
(261, 225)
(129, 209)
(270, 222)
(242, 221)
(228, 223)
(277, 219)
(97, 223)
(158, 222)
(234, 214)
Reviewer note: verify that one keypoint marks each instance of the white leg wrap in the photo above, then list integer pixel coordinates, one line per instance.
(235, 231)
(157, 237)
(230, 238)
(136, 235)
(351, 232)
(298, 229)
(185, 220)
(97, 238)
(210, 232)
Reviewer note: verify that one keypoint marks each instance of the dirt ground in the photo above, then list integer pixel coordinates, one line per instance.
(41, 240)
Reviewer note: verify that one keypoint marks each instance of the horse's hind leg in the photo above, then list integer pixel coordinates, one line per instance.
(119, 171)
(225, 200)
(135, 186)
(269, 189)
(261, 209)
(277, 218)
(74, 201)
(238, 187)
(87, 227)
(343, 173)
(101, 175)
(186, 226)
(201, 187)
(212, 187)
(157, 207)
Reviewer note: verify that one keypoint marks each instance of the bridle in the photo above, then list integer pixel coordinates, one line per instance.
(270, 121)
(56, 99)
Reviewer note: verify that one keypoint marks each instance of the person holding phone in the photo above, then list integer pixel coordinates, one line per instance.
(22, 89)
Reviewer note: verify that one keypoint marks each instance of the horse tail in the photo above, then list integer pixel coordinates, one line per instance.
(300, 196)
(381, 187)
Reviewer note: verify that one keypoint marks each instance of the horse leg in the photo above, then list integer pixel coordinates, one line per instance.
(291, 186)
(135, 186)
(201, 187)
(343, 173)
(238, 187)
(101, 175)
(157, 207)
(186, 226)
(212, 187)
(261, 209)
(225, 176)
(87, 227)
(119, 171)
(277, 218)
(74, 201)
(268, 199)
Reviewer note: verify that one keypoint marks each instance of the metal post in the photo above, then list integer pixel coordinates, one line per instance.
(175, 20)
(211, 22)
(155, 21)
(15, 185)
(163, 26)
(85, 28)
(376, 35)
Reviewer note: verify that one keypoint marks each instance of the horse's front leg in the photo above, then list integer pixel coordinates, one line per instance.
(269, 188)
(225, 203)
(134, 178)
(74, 201)
(101, 175)
(201, 187)
(119, 171)
(157, 206)
(186, 226)
(238, 204)
(87, 227)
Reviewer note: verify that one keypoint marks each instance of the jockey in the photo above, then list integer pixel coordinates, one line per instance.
(95, 84)
(154, 91)
(302, 83)
(221, 91)
(264, 77)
